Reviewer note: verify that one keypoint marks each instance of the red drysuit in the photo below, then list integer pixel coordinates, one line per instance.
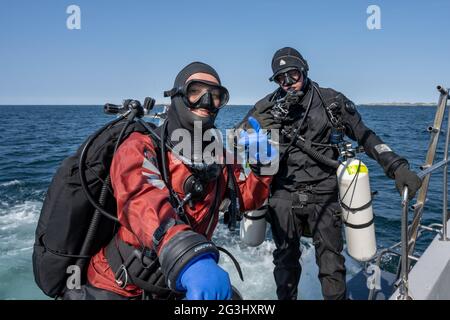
(143, 203)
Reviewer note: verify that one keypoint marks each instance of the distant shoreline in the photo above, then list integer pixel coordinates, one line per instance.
(398, 104)
(383, 104)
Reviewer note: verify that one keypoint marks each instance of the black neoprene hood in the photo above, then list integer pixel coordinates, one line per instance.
(192, 68)
(179, 114)
(288, 58)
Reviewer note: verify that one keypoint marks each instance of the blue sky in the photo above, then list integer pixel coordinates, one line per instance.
(135, 48)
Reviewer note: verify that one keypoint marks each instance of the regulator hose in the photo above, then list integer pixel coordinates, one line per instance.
(316, 155)
(300, 142)
(98, 205)
(82, 169)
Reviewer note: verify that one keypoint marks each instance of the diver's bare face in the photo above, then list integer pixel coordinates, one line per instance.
(201, 112)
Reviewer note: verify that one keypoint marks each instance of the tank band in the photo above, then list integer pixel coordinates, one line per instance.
(254, 218)
(367, 205)
(360, 226)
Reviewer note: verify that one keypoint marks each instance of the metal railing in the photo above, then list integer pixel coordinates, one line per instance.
(411, 233)
(395, 250)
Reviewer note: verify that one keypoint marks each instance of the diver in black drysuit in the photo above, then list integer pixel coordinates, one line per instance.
(304, 193)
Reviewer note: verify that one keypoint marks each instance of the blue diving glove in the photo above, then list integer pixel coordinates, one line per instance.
(257, 145)
(203, 279)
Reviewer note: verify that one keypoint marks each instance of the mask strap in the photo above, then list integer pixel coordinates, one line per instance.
(171, 92)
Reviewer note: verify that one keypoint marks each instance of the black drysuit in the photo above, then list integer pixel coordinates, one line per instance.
(304, 192)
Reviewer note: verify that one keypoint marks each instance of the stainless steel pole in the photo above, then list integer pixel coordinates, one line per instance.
(445, 186)
(404, 294)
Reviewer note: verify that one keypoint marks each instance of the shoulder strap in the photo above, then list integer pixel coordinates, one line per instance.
(161, 157)
(138, 267)
(234, 202)
(330, 110)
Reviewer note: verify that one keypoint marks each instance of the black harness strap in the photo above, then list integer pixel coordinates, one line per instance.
(332, 116)
(368, 204)
(159, 233)
(212, 210)
(138, 267)
(360, 226)
(233, 209)
(263, 216)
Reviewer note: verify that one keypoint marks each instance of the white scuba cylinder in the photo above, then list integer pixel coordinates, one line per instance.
(253, 226)
(357, 213)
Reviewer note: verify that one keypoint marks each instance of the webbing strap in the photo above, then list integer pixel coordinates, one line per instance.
(133, 266)
(367, 205)
(360, 226)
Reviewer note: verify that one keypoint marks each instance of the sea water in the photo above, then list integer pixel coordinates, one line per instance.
(35, 139)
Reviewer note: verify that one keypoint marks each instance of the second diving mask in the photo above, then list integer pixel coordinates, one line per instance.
(288, 78)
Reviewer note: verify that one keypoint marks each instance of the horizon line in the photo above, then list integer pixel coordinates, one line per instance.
(228, 105)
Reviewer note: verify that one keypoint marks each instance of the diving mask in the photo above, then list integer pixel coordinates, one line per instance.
(202, 94)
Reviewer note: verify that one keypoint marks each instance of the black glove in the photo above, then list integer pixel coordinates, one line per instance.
(264, 116)
(405, 177)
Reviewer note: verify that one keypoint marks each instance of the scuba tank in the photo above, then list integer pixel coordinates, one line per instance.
(252, 229)
(354, 192)
(253, 226)
(357, 213)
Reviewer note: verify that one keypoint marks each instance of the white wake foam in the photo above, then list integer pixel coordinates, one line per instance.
(10, 183)
(257, 267)
(17, 225)
(19, 215)
(18, 222)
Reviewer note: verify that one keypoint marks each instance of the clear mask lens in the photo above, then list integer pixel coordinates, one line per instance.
(196, 90)
(288, 78)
